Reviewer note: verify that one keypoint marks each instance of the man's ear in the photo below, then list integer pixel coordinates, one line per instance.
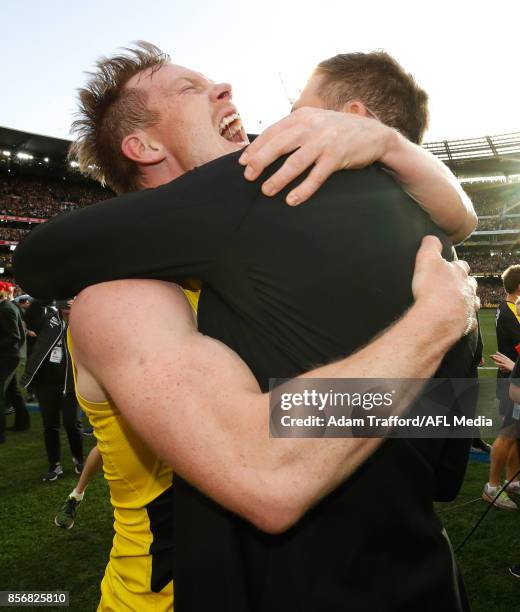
(356, 107)
(141, 149)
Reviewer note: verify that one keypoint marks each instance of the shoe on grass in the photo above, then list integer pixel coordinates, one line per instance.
(513, 487)
(479, 446)
(78, 465)
(55, 472)
(503, 501)
(67, 514)
(514, 570)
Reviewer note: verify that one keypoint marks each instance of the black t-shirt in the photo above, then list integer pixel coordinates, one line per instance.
(287, 289)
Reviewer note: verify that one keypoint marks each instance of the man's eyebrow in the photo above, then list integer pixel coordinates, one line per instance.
(193, 79)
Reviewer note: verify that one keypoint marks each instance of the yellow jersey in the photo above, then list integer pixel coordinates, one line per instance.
(138, 576)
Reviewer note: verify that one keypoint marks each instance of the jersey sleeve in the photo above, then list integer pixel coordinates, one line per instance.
(173, 232)
(9, 329)
(508, 325)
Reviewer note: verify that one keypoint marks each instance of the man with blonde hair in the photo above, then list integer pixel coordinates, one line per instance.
(277, 287)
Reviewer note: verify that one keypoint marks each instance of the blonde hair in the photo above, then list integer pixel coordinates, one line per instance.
(109, 111)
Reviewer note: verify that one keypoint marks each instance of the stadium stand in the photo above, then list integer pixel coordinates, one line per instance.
(37, 182)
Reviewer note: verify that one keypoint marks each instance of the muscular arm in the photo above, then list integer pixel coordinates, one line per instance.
(197, 405)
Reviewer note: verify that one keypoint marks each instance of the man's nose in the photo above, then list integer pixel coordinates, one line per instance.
(221, 91)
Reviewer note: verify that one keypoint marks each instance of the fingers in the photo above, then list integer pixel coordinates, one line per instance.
(276, 140)
(462, 264)
(294, 165)
(430, 244)
(271, 150)
(430, 247)
(324, 167)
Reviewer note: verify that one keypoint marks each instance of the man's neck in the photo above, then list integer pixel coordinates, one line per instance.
(160, 174)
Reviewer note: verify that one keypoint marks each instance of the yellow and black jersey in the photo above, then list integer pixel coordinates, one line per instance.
(508, 329)
(139, 575)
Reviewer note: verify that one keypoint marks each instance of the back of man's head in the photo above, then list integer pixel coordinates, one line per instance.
(511, 279)
(108, 111)
(381, 84)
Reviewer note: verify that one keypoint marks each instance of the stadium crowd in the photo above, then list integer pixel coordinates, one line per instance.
(484, 262)
(12, 234)
(490, 292)
(493, 199)
(45, 198)
(498, 223)
(486, 224)
(510, 223)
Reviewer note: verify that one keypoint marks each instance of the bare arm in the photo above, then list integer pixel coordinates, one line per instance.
(431, 184)
(503, 362)
(197, 405)
(335, 140)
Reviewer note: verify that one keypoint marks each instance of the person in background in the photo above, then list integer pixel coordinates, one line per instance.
(24, 302)
(478, 444)
(67, 514)
(13, 352)
(49, 373)
(508, 367)
(504, 452)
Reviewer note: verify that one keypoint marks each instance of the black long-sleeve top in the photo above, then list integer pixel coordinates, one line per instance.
(287, 289)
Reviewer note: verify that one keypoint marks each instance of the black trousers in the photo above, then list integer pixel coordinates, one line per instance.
(53, 403)
(8, 367)
(15, 398)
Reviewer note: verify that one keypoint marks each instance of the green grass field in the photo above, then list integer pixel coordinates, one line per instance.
(34, 554)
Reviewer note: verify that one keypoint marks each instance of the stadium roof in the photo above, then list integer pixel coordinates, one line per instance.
(484, 156)
(34, 143)
(487, 155)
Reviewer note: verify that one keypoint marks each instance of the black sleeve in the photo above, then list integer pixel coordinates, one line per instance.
(9, 330)
(451, 469)
(173, 232)
(509, 326)
(35, 315)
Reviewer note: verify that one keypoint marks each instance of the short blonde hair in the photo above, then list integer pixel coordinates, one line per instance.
(109, 111)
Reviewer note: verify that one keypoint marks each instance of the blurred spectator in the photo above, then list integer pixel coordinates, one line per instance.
(49, 373)
(45, 198)
(9, 233)
(12, 356)
(483, 262)
(493, 198)
(490, 292)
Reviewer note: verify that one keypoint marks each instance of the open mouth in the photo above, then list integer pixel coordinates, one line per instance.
(231, 129)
